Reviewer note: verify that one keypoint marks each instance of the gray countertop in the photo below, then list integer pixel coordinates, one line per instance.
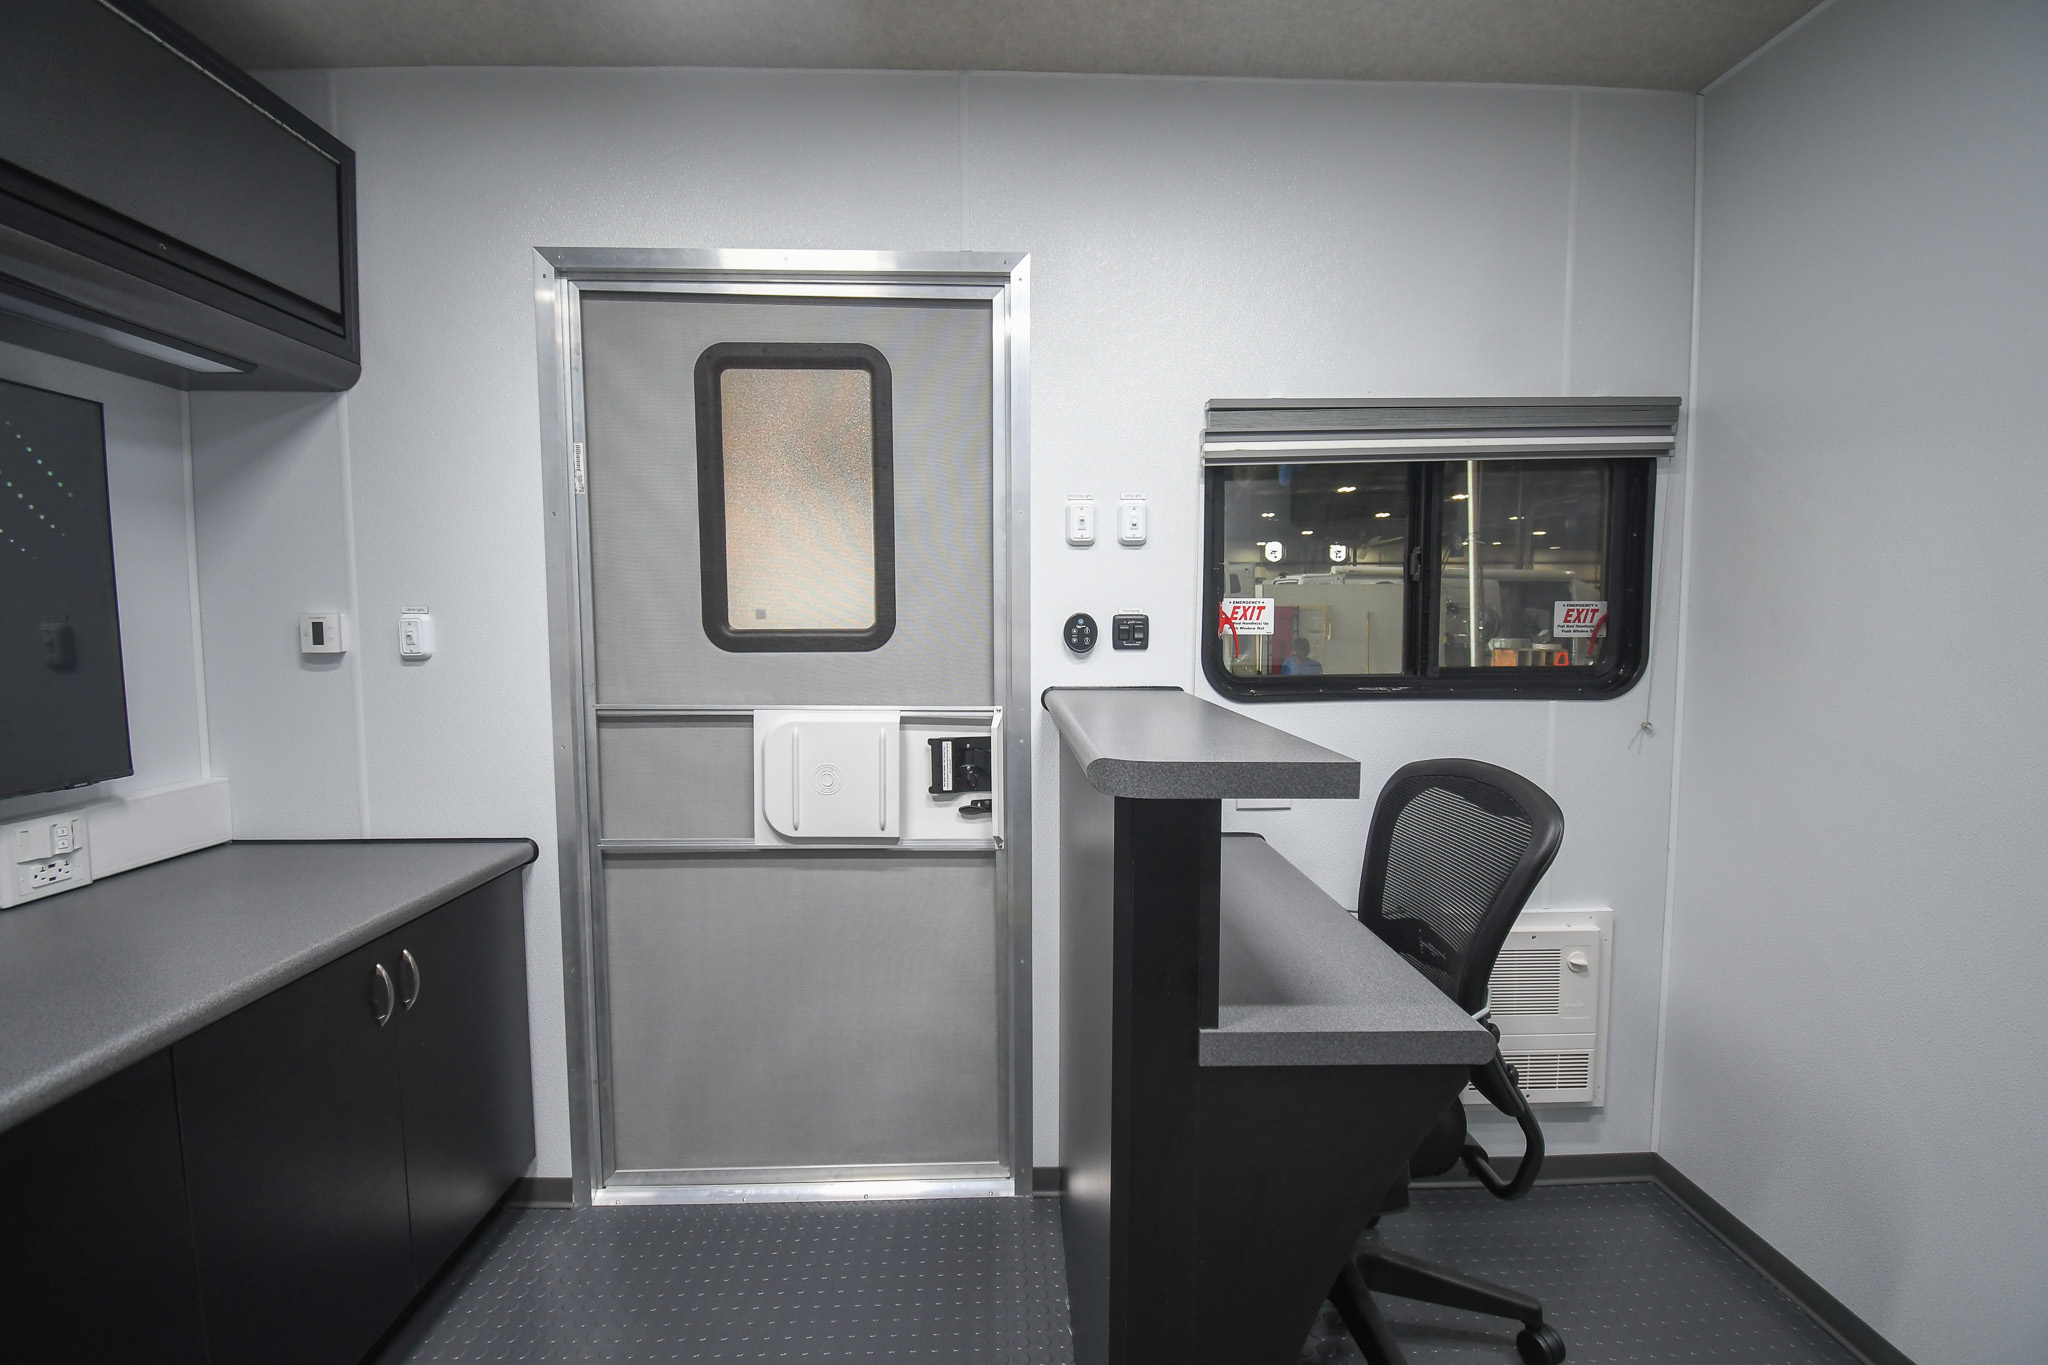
(100, 977)
(1159, 742)
(1302, 983)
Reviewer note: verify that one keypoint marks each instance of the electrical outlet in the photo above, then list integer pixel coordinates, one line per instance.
(44, 856)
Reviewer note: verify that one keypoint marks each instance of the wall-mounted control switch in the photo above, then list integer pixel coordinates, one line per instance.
(1080, 522)
(415, 634)
(1131, 521)
(321, 633)
(961, 763)
(1079, 632)
(1131, 631)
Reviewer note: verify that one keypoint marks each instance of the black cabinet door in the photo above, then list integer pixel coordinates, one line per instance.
(468, 1076)
(95, 1250)
(295, 1164)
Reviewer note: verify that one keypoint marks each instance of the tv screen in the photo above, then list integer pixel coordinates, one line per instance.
(63, 702)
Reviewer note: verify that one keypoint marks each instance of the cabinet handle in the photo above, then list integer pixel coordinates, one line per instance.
(411, 976)
(383, 1000)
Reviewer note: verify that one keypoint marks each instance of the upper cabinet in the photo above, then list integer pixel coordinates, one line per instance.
(162, 213)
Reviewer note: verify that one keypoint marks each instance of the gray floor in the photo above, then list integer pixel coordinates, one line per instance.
(1622, 1270)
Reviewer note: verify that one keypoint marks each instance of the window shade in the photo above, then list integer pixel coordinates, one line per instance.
(1294, 431)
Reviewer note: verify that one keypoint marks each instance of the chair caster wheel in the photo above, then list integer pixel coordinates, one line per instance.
(1540, 1345)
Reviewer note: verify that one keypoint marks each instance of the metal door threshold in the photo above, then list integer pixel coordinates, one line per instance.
(813, 1192)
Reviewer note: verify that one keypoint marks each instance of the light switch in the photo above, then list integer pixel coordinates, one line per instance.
(1080, 523)
(415, 634)
(1131, 521)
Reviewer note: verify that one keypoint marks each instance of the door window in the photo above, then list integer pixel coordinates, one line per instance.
(796, 496)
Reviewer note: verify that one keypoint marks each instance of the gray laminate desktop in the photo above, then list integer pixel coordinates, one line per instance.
(1302, 983)
(100, 977)
(1163, 744)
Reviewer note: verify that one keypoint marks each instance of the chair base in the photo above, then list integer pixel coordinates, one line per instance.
(1374, 1268)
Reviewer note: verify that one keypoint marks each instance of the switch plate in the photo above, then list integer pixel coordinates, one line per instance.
(1131, 630)
(1132, 521)
(1080, 522)
(321, 633)
(44, 856)
(1079, 632)
(415, 634)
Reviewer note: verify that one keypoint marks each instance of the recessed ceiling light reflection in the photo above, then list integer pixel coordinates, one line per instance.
(1539, 533)
(1267, 515)
(1349, 488)
(1382, 516)
(1458, 497)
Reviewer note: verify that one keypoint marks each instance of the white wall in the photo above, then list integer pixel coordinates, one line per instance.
(147, 497)
(1853, 1059)
(1190, 239)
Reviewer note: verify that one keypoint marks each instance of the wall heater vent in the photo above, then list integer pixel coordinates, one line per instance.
(1549, 995)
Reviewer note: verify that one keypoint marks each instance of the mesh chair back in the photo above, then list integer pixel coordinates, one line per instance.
(1456, 848)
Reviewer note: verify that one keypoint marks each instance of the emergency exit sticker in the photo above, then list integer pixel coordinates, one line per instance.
(1578, 620)
(1245, 616)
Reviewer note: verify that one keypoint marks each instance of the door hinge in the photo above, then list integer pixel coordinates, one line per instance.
(577, 479)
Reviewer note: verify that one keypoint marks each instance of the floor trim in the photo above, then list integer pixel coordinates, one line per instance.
(811, 1192)
(542, 1192)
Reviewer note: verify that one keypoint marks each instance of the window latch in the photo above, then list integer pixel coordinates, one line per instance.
(1415, 563)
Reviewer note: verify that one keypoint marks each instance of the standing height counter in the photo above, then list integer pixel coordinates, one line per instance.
(1244, 1068)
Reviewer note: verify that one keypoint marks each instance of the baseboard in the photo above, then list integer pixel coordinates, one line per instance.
(1563, 1168)
(1863, 1341)
(1048, 1179)
(542, 1192)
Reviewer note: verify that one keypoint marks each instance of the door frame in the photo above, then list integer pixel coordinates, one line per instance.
(1001, 279)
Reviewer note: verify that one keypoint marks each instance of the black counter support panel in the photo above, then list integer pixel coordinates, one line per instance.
(1208, 1208)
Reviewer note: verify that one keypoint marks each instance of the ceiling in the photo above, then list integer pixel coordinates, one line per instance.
(1646, 44)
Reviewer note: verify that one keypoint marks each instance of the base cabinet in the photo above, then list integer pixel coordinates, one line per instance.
(280, 1185)
(344, 1134)
(96, 1256)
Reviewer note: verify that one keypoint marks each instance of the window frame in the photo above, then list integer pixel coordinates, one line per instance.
(1629, 550)
(711, 529)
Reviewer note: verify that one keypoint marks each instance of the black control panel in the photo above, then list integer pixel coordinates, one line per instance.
(1131, 631)
(1080, 632)
(962, 763)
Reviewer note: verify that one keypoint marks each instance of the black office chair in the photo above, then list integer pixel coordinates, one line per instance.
(1456, 847)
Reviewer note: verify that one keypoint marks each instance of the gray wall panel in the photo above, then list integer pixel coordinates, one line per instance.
(680, 778)
(802, 1010)
(639, 354)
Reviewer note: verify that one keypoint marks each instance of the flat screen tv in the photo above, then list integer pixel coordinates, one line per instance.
(63, 701)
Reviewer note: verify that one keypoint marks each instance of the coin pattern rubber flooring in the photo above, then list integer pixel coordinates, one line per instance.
(1622, 1270)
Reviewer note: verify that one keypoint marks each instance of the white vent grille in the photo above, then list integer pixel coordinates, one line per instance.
(1526, 981)
(1549, 1000)
(1545, 1071)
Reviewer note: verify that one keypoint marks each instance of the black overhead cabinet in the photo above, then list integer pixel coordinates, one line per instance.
(162, 213)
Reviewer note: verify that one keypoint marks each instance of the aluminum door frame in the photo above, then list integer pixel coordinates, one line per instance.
(559, 276)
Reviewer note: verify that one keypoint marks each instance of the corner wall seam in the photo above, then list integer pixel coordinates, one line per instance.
(192, 590)
(1685, 581)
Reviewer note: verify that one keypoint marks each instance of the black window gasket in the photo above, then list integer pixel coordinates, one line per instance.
(711, 531)
(1628, 554)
